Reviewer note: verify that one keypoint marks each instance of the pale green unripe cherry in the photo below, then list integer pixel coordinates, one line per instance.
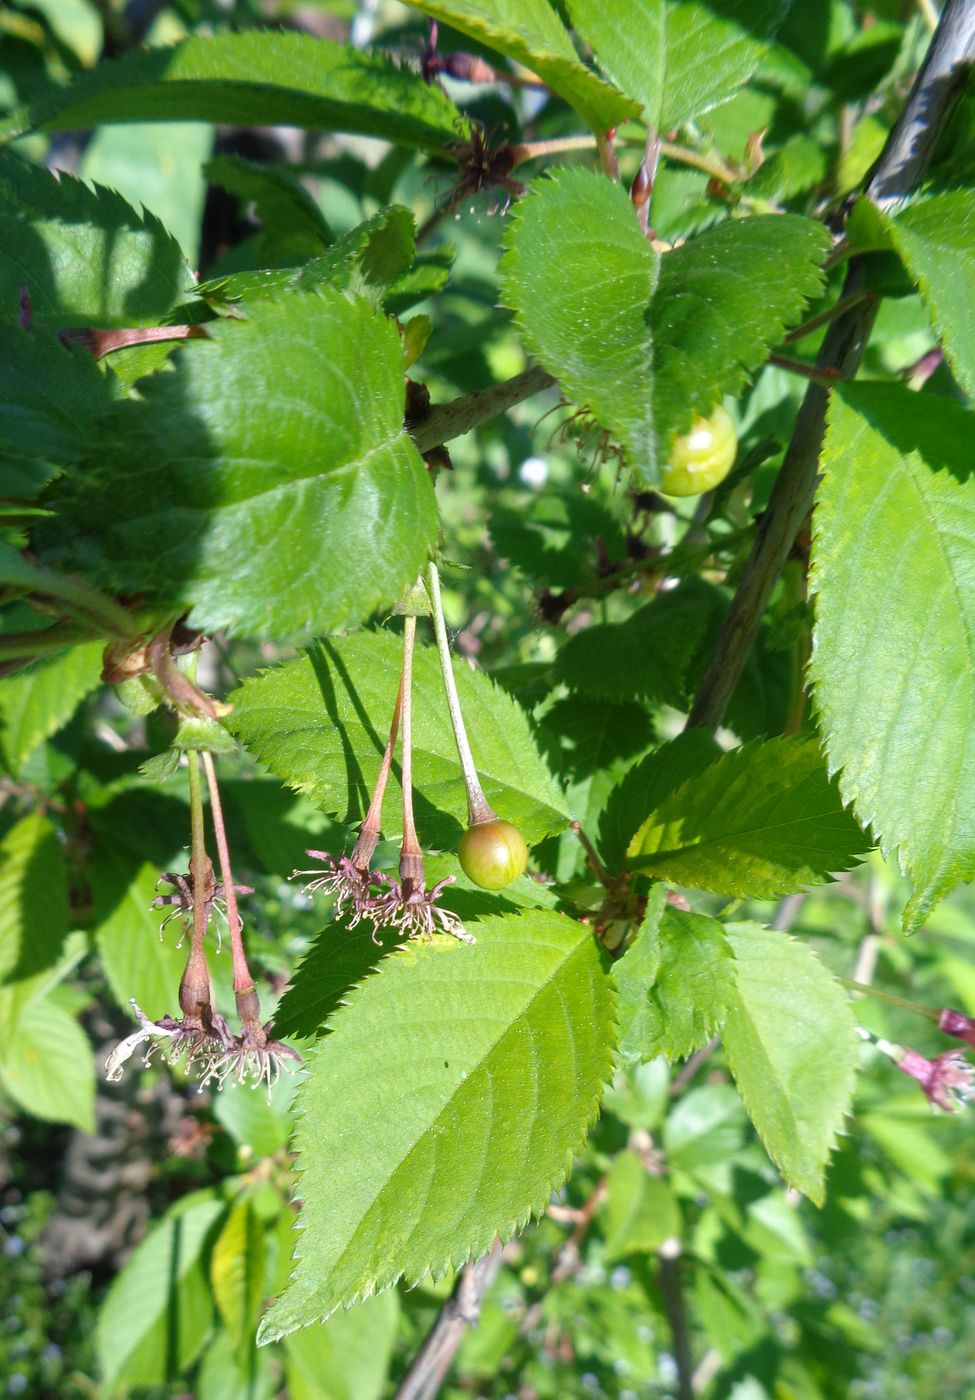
(701, 458)
(492, 854)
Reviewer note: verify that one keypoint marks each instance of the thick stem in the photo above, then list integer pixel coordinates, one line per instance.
(478, 808)
(673, 1294)
(243, 981)
(535, 150)
(900, 166)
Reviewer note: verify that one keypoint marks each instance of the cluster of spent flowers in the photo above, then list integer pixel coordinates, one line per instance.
(179, 900)
(207, 1048)
(405, 904)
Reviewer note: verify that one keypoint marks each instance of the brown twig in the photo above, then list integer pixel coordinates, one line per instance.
(462, 1309)
(450, 420)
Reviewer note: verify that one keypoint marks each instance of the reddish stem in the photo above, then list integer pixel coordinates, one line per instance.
(243, 981)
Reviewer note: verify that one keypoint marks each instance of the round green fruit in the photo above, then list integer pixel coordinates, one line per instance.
(702, 457)
(492, 854)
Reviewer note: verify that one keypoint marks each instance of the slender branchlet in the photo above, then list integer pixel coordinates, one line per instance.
(478, 808)
(195, 992)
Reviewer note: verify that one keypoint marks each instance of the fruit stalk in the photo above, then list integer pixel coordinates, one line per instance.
(245, 992)
(478, 808)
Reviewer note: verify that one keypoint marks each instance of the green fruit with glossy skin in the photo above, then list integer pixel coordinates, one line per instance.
(702, 457)
(492, 854)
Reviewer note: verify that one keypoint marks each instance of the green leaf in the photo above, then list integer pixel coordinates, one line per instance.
(440, 1112)
(641, 1210)
(336, 962)
(346, 1358)
(369, 259)
(661, 651)
(763, 820)
(58, 238)
(294, 228)
(251, 1121)
(678, 60)
(321, 723)
(644, 341)
(158, 1311)
(287, 428)
(237, 1267)
(255, 78)
(33, 899)
(140, 963)
(50, 399)
(673, 982)
(893, 657)
(47, 1067)
(594, 735)
(792, 1045)
(36, 702)
(936, 239)
(646, 785)
(704, 1127)
(530, 32)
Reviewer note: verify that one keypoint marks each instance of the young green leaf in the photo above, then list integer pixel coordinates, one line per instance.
(36, 702)
(763, 820)
(530, 32)
(439, 1113)
(254, 78)
(321, 723)
(678, 60)
(159, 1309)
(673, 982)
(895, 620)
(47, 1066)
(286, 428)
(644, 341)
(791, 1042)
(368, 259)
(58, 238)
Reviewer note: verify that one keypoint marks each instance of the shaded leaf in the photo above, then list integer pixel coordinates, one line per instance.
(641, 1210)
(257, 78)
(321, 723)
(763, 820)
(791, 1042)
(36, 702)
(58, 238)
(294, 228)
(893, 665)
(447, 1067)
(336, 962)
(646, 785)
(295, 416)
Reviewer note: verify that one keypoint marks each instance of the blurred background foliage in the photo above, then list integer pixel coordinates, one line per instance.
(144, 1223)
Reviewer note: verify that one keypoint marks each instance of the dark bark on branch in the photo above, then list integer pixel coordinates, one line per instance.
(900, 167)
